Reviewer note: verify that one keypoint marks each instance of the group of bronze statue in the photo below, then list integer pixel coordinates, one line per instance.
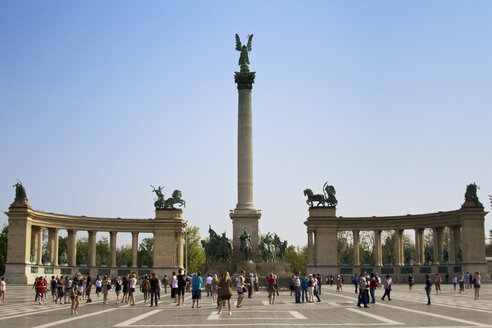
(328, 198)
(161, 203)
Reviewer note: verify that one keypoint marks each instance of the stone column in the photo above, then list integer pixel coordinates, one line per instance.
(134, 249)
(245, 82)
(112, 249)
(53, 245)
(419, 239)
(310, 259)
(39, 246)
(398, 247)
(457, 242)
(355, 235)
(72, 248)
(437, 243)
(180, 259)
(451, 245)
(92, 248)
(472, 235)
(36, 241)
(378, 248)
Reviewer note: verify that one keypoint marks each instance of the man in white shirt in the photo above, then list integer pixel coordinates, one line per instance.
(208, 285)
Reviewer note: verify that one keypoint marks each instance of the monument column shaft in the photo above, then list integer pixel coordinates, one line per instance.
(92, 248)
(53, 245)
(39, 241)
(355, 234)
(437, 241)
(378, 248)
(451, 244)
(112, 249)
(134, 248)
(245, 151)
(72, 247)
(398, 247)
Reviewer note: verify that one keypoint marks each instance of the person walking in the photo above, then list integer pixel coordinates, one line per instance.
(131, 289)
(355, 281)
(428, 287)
(437, 282)
(154, 289)
(297, 286)
(208, 285)
(461, 281)
(145, 286)
(165, 282)
(3, 289)
(196, 289)
(455, 282)
(387, 287)
(106, 287)
(477, 282)
(363, 290)
(304, 289)
(411, 281)
(373, 284)
(215, 294)
(181, 287)
(174, 287)
(98, 285)
(241, 288)
(311, 288)
(271, 289)
(117, 289)
(88, 289)
(339, 283)
(225, 288)
(74, 295)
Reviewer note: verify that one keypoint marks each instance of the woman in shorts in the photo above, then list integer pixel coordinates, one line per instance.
(271, 282)
(477, 282)
(225, 287)
(3, 288)
(75, 293)
(215, 283)
(117, 289)
(133, 285)
(106, 287)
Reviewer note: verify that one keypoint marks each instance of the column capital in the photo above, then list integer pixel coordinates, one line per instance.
(244, 80)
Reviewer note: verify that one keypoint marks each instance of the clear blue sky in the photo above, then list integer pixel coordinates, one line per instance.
(389, 101)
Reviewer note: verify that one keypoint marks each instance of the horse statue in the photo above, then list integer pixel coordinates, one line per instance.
(175, 199)
(314, 198)
(268, 249)
(245, 239)
(159, 203)
(330, 192)
(471, 194)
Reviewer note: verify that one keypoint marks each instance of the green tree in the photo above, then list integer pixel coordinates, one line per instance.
(102, 247)
(196, 255)
(127, 250)
(82, 247)
(297, 258)
(62, 247)
(3, 248)
(146, 247)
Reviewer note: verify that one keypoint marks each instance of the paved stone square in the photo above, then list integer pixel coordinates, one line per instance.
(406, 309)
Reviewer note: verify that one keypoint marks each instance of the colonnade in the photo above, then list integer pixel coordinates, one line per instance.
(466, 246)
(25, 241)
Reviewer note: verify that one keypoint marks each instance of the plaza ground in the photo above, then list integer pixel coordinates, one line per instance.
(406, 309)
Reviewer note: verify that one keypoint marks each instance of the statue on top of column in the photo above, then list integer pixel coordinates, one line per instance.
(328, 198)
(20, 192)
(169, 203)
(244, 58)
(471, 197)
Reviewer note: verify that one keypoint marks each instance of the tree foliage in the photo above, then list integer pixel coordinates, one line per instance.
(297, 258)
(196, 255)
(3, 248)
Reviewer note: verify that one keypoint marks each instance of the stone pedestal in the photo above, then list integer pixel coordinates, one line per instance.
(248, 221)
(169, 239)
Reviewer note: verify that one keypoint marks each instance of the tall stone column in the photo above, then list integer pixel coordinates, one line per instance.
(398, 247)
(134, 249)
(437, 242)
(355, 235)
(39, 246)
(245, 216)
(457, 242)
(92, 248)
(53, 245)
(112, 248)
(451, 245)
(72, 248)
(378, 248)
(419, 246)
(180, 259)
(310, 250)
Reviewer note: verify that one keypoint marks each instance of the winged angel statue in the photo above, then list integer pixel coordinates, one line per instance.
(244, 58)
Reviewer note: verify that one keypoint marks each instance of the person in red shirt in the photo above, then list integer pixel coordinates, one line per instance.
(271, 282)
(40, 289)
(372, 287)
